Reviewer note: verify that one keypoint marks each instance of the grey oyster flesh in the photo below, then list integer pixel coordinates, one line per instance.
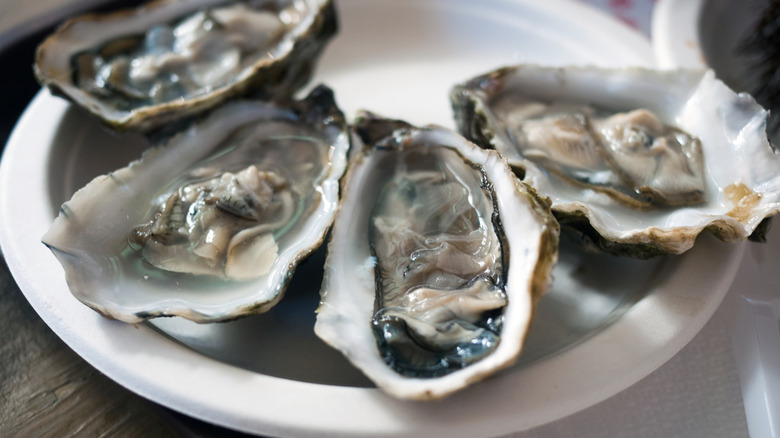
(631, 156)
(439, 263)
(228, 223)
(188, 58)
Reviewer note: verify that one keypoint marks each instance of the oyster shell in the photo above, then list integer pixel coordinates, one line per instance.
(145, 67)
(436, 260)
(211, 225)
(641, 161)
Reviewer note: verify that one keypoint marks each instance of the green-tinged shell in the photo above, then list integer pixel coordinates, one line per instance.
(135, 244)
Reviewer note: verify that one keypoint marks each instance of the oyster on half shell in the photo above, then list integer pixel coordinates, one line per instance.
(211, 225)
(167, 60)
(640, 161)
(437, 258)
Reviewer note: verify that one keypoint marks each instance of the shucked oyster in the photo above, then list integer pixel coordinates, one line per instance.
(641, 161)
(211, 225)
(167, 60)
(437, 258)
(630, 156)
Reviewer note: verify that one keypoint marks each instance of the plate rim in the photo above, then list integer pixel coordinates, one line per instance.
(676, 43)
(95, 338)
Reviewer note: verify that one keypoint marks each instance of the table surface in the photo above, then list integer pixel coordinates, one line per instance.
(47, 390)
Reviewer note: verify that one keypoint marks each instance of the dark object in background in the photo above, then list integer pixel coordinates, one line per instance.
(20, 85)
(761, 47)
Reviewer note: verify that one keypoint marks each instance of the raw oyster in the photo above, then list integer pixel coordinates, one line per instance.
(210, 225)
(640, 161)
(146, 67)
(437, 258)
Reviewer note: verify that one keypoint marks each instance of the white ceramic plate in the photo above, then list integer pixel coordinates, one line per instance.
(607, 322)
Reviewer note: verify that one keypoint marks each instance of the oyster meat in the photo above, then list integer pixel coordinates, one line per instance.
(631, 156)
(640, 161)
(211, 225)
(167, 60)
(437, 258)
